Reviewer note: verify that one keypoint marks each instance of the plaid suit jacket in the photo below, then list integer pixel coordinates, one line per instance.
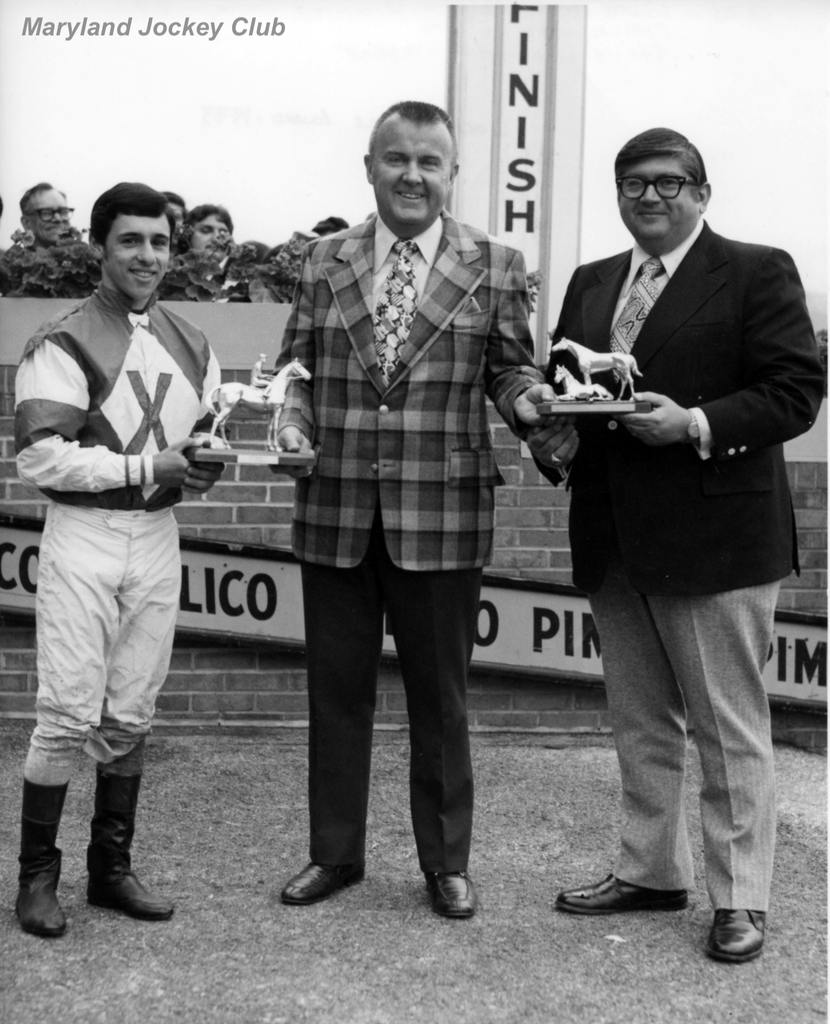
(420, 448)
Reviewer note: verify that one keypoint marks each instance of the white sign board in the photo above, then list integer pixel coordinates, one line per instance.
(516, 93)
(545, 630)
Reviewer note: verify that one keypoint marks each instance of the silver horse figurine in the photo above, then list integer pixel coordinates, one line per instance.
(265, 396)
(576, 391)
(623, 364)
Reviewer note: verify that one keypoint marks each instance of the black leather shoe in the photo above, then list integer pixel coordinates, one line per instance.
(613, 896)
(319, 881)
(453, 893)
(736, 935)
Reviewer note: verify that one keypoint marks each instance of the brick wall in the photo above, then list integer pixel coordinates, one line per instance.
(252, 505)
(264, 686)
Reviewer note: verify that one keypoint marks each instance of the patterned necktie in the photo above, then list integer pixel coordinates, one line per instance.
(396, 308)
(638, 305)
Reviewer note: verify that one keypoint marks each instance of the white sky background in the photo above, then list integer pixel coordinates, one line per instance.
(275, 128)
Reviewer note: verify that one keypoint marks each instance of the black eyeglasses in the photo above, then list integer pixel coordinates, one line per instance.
(49, 214)
(667, 186)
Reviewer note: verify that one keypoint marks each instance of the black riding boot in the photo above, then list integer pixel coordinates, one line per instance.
(40, 860)
(111, 882)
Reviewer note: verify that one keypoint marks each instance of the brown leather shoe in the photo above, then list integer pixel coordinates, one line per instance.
(736, 935)
(613, 896)
(319, 881)
(452, 892)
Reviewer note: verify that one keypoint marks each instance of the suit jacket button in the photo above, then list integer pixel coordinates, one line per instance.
(374, 467)
(730, 451)
(383, 410)
(742, 449)
(612, 424)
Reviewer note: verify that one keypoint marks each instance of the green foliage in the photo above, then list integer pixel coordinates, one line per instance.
(68, 270)
(72, 270)
(245, 276)
(193, 277)
(279, 274)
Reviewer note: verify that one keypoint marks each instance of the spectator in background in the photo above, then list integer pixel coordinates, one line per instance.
(48, 257)
(210, 266)
(177, 209)
(329, 226)
(45, 215)
(208, 228)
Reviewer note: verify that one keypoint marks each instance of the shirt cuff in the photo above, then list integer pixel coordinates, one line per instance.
(703, 443)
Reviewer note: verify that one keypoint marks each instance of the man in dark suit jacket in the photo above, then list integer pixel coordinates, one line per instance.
(681, 529)
(397, 515)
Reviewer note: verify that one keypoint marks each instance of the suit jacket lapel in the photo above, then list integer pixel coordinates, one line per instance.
(701, 273)
(350, 278)
(599, 301)
(456, 272)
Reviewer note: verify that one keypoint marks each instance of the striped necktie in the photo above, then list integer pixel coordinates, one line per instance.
(637, 306)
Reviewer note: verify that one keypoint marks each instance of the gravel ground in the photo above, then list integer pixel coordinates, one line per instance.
(222, 824)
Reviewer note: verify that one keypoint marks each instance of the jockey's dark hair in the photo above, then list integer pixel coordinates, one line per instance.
(129, 197)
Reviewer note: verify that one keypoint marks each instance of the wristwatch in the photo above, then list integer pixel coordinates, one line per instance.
(693, 429)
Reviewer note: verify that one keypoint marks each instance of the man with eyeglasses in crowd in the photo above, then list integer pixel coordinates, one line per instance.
(682, 528)
(45, 220)
(45, 214)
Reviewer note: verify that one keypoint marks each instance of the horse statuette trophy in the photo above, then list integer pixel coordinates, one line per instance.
(263, 398)
(585, 396)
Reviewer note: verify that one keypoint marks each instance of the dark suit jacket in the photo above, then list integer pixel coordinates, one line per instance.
(419, 448)
(730, 334)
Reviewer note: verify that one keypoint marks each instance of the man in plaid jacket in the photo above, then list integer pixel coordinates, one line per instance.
(397, 515)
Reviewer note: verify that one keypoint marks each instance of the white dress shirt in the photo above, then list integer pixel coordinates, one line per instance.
(671, 261)
(422, 260)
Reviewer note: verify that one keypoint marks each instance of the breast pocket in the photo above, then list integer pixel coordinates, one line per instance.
(471, 320)
(468, 340)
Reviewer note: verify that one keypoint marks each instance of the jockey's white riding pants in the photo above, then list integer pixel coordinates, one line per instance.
(107, 598)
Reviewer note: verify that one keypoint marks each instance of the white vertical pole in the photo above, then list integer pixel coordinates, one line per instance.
(516, 89)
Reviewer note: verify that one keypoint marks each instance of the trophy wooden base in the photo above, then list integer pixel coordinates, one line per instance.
(603, 406)
(251, 457)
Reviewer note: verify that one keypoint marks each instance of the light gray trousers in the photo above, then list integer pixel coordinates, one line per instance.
(678, 661)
